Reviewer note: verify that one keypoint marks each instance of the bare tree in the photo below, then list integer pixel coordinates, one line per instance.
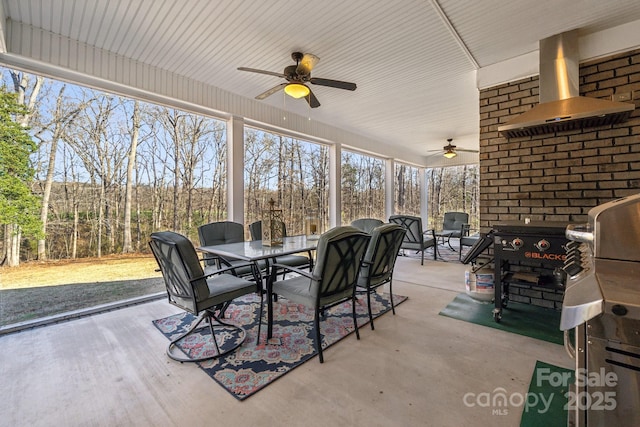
(62, 116)
(102, 152)
(134, 132)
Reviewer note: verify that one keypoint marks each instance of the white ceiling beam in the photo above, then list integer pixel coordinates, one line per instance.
(454, 33)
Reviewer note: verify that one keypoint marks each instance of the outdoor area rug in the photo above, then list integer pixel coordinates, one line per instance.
(545, 404)
(523, 319)
(252, 367)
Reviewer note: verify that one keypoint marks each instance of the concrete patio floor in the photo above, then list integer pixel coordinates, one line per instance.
(110, 369)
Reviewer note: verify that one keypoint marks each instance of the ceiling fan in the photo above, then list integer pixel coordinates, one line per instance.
(450, 150)
(297, 76)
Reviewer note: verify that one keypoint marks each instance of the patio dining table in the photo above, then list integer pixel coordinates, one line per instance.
(254, 251)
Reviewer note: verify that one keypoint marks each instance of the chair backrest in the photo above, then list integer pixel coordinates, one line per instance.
(338, 258)
(255, 230)
(382, 252)
(454, 220)
(219, 233)
(413, 226)
(181, 269)
(366, 224)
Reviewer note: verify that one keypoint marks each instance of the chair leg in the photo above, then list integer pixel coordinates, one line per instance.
(317, 328)
(260, 317)
(213, 334)
(369, 308)
(355, 320)
(393, 307)
(422, 258)
(269, 317)
(449, 243)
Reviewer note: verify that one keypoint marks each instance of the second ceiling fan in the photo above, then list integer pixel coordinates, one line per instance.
(297, 76)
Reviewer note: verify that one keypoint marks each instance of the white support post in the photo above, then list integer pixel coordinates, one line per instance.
(335, 184)
(389, 188)
(424, 196)
(235, 169)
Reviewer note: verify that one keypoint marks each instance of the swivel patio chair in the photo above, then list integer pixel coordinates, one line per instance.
(416, 238)
(332, 281)
(366, 224)
(223, 232)
(454, 225)
(300, 261)
(379, 261)
(203, 295)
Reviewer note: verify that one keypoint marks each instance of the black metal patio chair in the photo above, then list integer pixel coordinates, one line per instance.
(219, 233)
(379, 261)
(300, 261)
(416, 238)
(203, 295)
(333, 279)
(366, 224)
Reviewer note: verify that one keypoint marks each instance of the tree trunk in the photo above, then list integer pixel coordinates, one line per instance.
(13, 257)
(135, 128)
(44, 211)
(74, 239)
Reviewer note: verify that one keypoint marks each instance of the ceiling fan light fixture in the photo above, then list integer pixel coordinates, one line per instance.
(450, 154)
(296, 90)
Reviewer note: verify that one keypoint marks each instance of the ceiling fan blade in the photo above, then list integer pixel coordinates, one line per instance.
(306, 64)
(333, 83)
(312, 100)
(271, 91)
(270, 73)
(453, 149)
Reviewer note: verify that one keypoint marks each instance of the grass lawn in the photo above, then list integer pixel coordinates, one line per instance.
(39, 289)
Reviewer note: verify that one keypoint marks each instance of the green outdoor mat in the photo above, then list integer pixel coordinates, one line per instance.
(547, 397)
(524, 319)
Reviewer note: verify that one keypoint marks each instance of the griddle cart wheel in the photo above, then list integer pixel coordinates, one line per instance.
(497, 315)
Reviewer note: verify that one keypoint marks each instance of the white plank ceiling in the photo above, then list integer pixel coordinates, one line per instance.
(415, 61)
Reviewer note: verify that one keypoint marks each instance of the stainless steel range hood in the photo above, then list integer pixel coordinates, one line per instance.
(561, 107)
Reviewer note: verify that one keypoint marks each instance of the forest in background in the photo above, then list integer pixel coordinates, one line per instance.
(110, 170)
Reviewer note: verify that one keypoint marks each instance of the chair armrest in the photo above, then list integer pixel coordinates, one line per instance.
(431, 231)
(223, 270)
(276, 266)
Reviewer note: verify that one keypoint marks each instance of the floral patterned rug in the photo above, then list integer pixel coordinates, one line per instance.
(252, 367)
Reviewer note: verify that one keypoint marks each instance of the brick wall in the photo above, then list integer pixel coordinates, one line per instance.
(559, 176)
